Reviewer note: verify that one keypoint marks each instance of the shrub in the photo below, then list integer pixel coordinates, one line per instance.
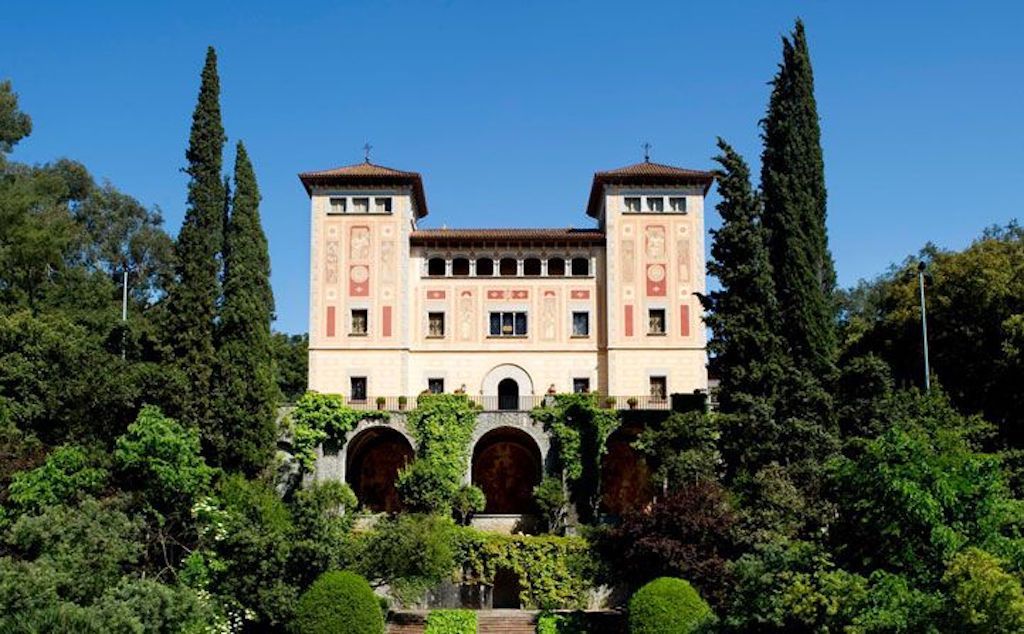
(667, 606)
(982, 596)
(561, 624)
(550, 498)
(411, 553)
(338, 601)
(451, 622)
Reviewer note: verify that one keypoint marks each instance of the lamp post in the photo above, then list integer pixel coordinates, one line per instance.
(924, 327)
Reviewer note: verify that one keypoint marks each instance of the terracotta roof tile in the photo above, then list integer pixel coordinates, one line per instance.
(645, 173)
(368, 174)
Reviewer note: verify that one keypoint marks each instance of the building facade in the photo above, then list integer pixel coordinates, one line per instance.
(507, 315)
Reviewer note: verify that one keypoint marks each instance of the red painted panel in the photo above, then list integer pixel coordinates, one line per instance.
(387, 321)
(580, 294)
(684, 320)
(330, 321)
(435, 294)
(520, 294)
(629, 320)
(656, 280)
(359, 281)
(495, 294)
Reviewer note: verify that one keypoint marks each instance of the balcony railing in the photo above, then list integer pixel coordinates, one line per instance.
(511, 403)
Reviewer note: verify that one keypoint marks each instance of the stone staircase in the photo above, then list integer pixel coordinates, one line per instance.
(501, 622)
(506, 622)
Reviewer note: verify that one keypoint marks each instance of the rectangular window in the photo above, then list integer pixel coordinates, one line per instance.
(677, 204)
(338, 205)
(382, 205)
(633, 204)
(656, 321)
(358, 389)
(659, 388)
(510, 324)
(359, 322)
(655, 203)
(581, 385)
(435, 386)
(435, 324)
(580, 324)
(361, 205)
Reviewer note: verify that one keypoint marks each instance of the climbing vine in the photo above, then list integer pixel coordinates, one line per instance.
(442, 425)
(554, 572)
(579, 427)
(319, 417)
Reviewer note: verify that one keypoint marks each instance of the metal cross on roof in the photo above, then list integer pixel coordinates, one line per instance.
(647, 152)
(366, 152)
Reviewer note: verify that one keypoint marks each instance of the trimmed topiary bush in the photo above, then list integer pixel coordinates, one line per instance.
(338, 601)
(451, 622)
(667, 606)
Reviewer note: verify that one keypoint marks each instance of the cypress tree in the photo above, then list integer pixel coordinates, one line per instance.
(746, 350)
(793, 184)
(246, 402)
(192, 299)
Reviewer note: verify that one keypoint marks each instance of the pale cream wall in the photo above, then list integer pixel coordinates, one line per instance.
(655, 260)
(401, 363)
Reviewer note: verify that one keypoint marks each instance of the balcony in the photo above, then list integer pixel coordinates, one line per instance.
(511, 403)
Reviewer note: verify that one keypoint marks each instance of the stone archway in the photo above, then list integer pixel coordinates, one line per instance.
(374, 457)
(508, 387)
(507, 465)
(625, 476)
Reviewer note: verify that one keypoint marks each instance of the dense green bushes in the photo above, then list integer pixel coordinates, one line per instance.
(338, 601)
(443, 425)
(451, 622)
(667, 606)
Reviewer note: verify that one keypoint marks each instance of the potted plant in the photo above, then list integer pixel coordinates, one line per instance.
(402, 400)
(380, 402)
(609, 402)
(632, 401)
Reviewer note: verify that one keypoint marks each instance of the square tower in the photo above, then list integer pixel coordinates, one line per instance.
(653, 219)
(360, 218)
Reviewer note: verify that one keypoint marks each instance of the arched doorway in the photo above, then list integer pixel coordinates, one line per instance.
(625, 477)
(374, 457)
(508, 394)
(508, 387)
(507, 466)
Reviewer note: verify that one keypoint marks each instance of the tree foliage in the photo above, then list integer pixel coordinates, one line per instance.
(246, 408)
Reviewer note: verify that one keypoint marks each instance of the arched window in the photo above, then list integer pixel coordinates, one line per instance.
(460, 267)
(531, 267)
(580, 266)
(435, 266)
(485, 267)
(509, 267)
(556, 267)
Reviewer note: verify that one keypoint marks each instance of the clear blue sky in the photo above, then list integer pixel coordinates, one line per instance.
(508, 109)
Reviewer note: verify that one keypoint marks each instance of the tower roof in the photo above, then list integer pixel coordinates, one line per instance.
(368, 174)
(645, 173)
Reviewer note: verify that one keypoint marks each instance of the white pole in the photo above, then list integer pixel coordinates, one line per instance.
(124, 307)
(924, 328)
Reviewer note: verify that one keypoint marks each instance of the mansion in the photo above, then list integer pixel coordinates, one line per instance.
(506, 315)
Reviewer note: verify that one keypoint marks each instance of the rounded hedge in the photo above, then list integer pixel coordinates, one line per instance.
(667, 606)
(338, 601)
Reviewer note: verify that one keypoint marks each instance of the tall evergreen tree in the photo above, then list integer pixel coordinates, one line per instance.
(246, 392)
(192, 299)
(793, 184)
(747, 351)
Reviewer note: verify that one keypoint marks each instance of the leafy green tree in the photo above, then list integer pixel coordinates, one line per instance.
(291, 364)
(683, 449)
(192, 299)
(411, 553)
(983, 596)
(975, 325)
(160, 457)
(246, 430)
(15, 125)
(921, 491)
(793, 185)
(747, 353)
(69, 474)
